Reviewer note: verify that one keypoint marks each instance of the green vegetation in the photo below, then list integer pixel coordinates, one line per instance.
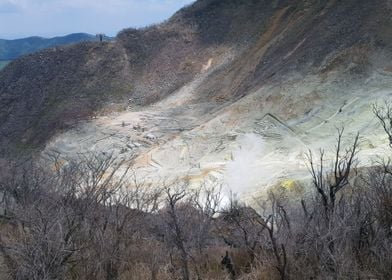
(12, 49)
(3, 63)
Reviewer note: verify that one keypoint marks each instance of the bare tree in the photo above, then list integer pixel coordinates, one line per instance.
(329, 183)
(174, 196)
(260, 233)
(384, 115)
(54, 212)
(189, 220)
(44, 221)
(277, 227)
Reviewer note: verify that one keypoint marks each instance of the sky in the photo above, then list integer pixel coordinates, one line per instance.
(48, 18)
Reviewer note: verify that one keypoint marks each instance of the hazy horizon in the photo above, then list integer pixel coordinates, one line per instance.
(51, 18)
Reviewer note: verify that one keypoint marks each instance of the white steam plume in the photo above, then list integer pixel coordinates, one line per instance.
(244, 172)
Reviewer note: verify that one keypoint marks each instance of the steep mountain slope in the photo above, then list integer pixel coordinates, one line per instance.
(147, 65)
(12, 49)
(273, 77)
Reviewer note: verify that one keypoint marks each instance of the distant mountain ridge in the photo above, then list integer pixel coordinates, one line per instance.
(12, 49)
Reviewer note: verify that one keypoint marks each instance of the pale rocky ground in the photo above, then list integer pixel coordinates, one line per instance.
(250, 144)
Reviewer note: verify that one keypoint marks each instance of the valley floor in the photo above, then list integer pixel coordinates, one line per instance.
(250, 138)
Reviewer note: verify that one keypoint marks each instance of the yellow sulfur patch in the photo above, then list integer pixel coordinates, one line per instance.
(289, 184)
